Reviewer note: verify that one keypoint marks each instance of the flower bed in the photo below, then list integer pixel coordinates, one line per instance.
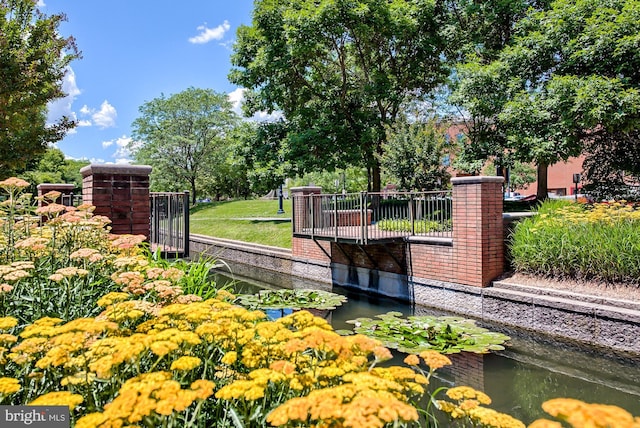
(599, 242)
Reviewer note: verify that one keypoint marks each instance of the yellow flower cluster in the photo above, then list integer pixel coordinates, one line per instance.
(9, 385)
(468, 407)
(348, 405)
(7, 323)
(580, 414)
(58, 398)
(606, 212)
(149, 394)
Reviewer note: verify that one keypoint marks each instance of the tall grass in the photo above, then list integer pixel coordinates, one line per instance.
(598, 242)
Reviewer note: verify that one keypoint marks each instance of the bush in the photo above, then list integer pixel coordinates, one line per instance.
(598, 242)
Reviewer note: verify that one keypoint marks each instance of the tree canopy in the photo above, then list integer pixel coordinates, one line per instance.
(181, 133)
(416, 155)
(339, 72)
(567, 81)
(33, 61)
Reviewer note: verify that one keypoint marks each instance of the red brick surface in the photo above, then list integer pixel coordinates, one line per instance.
(475, 257)
(122, 194)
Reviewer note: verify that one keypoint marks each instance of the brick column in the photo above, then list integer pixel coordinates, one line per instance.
(66, 191)
(477, 230)
(120, 192)
(306, 247)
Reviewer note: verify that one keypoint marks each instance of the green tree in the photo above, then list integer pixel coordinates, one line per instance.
(568, 79)
(33, 61)
(178, 135)
(339, 71)
(227, 173)
(53, 167)
(477, 31)
(416, 155)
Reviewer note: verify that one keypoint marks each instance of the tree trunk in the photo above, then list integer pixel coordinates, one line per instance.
(375, 178)
(541, 191)
(193, 192)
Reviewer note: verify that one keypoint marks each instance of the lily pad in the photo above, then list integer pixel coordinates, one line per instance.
(415, 334)
(292, 299)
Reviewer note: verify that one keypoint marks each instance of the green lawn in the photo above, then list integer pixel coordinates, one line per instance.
(254, 220)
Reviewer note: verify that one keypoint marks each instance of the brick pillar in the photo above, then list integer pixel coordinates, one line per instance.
(477, 230)
(120, 192)
(301, 205)
(306, 247)
(66, 191)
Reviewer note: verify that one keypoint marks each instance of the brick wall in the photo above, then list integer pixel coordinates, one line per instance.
(387, 257)
(476, 252)
(64, 189)
(120, 192)
(310, 249)
(473, 256)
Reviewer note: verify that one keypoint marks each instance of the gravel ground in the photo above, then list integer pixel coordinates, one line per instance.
(615, 291)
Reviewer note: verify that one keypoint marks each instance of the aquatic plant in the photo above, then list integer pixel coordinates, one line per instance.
(291, 299)
(418, 333)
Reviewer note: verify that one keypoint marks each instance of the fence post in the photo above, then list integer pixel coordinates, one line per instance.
(120, 192)
(186, 202)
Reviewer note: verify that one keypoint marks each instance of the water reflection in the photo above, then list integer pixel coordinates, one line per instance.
(532, 369)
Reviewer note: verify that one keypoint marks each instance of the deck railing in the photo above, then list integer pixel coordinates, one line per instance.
(170, 223)
(369, 216)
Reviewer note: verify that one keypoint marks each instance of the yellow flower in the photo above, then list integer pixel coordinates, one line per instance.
(545, 423)
(111, 298)
(186, 363)
(7, 323)
(229, 358)
(58, 398)
(466, 392)
(412, 360)
(434, 359)
(9, 385)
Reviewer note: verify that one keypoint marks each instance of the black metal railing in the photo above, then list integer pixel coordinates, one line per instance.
(71, 200)
(170, 223)
(368, 216)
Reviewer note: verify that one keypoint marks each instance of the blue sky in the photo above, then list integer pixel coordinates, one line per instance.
(132, 52)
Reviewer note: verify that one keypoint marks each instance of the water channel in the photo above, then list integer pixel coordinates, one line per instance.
(533, 367)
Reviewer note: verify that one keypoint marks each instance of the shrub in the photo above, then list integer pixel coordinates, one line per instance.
(568, 240)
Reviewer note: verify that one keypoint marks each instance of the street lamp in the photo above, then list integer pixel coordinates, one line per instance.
(280, 210)
(576, 180)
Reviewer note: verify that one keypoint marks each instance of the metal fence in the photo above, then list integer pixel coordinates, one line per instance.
(368, 216)
(71, 200)
(170, 223)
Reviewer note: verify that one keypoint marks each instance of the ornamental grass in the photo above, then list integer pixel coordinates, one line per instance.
(567, 240)
(89, 321)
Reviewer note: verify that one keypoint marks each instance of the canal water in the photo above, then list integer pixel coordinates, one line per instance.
(532, 369)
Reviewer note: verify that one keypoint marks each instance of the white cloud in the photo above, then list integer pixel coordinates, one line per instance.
(237, 98)
(207, 34)
(103, 118)
(40, 3)
(63, 106)
(106, 144)
(106, 116)
(124, 161)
